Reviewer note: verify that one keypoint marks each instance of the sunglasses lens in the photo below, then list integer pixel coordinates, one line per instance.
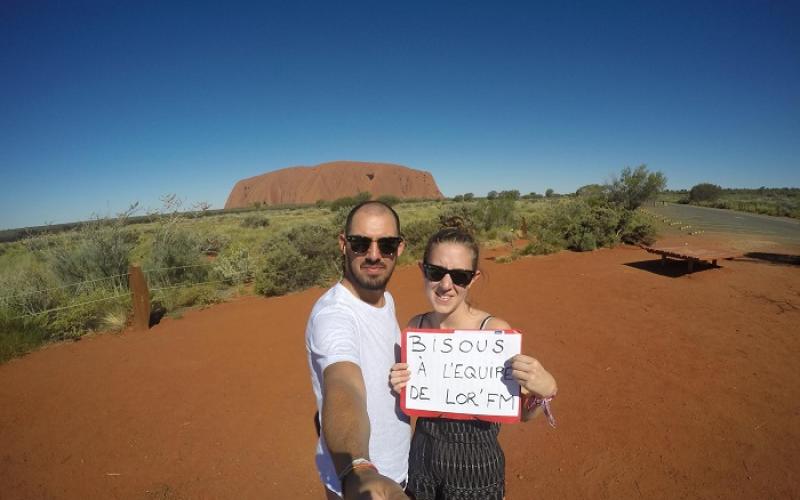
(359, 244)
(388, 246)
(460, 278)
(434, 273)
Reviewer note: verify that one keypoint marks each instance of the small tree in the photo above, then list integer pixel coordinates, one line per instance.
(635, 186)
(705, 192)
(512, 194)
(458, 197)
(389, 199)
(590, 190)
(468, 196)
(491, 195)
(549, 193)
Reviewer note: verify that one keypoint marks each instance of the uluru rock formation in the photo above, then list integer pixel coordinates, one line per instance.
(329, 181)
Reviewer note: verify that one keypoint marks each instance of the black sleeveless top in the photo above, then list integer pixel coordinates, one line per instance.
(481, 327)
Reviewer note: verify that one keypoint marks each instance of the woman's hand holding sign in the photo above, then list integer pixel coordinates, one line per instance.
(531, 376)
(534, 380)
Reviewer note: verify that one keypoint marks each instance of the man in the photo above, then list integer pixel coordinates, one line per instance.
(351, 339)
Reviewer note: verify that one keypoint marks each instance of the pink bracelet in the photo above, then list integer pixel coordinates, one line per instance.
(532, 402)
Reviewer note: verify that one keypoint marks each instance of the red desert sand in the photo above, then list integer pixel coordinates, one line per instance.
(671, 386)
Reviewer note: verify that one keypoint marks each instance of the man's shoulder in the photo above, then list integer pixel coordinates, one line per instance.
(333, 302)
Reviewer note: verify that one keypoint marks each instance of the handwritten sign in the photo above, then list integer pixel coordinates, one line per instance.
(461, 374)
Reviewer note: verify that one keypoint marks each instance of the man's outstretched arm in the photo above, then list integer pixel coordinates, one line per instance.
(345, 426)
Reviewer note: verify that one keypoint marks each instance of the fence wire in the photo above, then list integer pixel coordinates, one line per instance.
(158, 280)
(104, 299)
(63, 287)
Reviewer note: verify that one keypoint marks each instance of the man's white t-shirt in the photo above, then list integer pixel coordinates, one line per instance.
(343, 327)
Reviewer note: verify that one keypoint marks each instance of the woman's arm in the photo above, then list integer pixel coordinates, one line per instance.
(534, 381)
(529, 373)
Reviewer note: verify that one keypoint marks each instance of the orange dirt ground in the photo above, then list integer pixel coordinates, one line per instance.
(671, 386)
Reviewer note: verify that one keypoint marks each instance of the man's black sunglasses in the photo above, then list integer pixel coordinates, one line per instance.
(460, 277)
(387, 245)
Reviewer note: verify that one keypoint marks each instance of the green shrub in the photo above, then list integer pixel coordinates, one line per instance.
(255, 221)
(416, 234)
(300, 257)
(213, 244)
(541, 247)
(30, 289)
(577, 225)
(512, 194)
(389, 199)
(86, 314)
(350, 201)
(174, 258)
(38, 244)
(234, 265)
(705, 192)
(99, 249)
(316, 242)
(635, 186)
(465, 215)
(495, 213)
(20, 336)
(344, 203)
(187, 296)
(636, 229)
(285, 270)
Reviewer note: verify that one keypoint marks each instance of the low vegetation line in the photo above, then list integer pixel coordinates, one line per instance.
(777, 202)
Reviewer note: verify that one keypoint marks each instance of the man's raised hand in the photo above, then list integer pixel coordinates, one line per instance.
(399, 376)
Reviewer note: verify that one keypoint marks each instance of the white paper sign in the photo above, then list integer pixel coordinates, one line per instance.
(464, 372)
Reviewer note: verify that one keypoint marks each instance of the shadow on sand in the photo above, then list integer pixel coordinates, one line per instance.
(671, 268)
(772, 258)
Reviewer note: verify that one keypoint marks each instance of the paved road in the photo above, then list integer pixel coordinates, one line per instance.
(780, 229)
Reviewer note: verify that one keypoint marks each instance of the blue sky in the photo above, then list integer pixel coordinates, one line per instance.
(106, 103)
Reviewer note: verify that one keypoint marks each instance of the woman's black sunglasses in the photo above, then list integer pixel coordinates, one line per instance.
(387, 246)
(460, 277)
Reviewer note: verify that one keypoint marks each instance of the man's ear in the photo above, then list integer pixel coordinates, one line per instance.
(401, 247)
(342, 243)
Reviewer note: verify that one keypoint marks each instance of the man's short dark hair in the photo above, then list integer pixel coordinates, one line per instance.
(349, 222)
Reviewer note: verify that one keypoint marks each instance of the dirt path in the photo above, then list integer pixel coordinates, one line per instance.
(671, 386)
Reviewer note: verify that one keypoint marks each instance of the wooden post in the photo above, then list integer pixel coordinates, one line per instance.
(141, 299)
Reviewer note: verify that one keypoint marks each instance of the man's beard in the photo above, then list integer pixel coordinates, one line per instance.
(372, 283)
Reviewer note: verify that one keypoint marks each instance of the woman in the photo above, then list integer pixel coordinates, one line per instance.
(462, 459)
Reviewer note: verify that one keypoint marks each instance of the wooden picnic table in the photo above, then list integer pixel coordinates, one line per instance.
(691, 254)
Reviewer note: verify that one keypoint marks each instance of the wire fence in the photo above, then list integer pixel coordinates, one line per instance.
(33, 303)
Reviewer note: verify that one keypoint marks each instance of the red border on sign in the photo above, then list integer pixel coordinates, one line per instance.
(441, 414)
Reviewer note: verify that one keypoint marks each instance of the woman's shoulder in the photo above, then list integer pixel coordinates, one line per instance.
(489, 322)
(416, 321)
